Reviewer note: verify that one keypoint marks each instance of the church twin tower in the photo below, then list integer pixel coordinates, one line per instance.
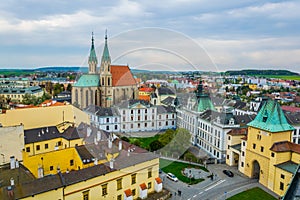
(109, 85)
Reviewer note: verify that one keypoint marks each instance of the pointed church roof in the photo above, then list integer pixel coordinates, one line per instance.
(271, 118)
(93, 57)
(105, 55)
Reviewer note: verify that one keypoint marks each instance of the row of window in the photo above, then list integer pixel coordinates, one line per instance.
(46, 146)
(119, 186)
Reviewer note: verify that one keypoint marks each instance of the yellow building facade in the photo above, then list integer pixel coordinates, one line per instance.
(266, 153)
(85, 163)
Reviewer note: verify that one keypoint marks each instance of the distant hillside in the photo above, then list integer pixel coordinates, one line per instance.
(254, 72)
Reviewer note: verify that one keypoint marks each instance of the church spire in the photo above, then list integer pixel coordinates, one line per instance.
(92, 58)
(105, 55)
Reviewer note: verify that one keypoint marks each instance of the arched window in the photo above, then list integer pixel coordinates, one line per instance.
(86, 98)
(108, 81)
(92, 97)
(76, 95)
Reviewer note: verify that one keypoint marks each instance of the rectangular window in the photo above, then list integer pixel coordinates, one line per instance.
(85, 195)
(119, 197)
(282, 176)
(145, 124)
(131, 125)
(51, 168)
(107, 119)
(133, 192)
(116, 127)
(59, 143)
(243, 153)
(242, 164)
(124, 126)
(146, 118)
(133, 178)
(123, 112)
(139, 118)
(244, 143)
(119, 184)
(131, 118)
(46, 146)
(281, 187)
(139, 125)
(227, 156)
(272, 154)
(27, 149)
(107, 128)
(149, 185)
(124, 119)
(104, 189)
(38, 147)
(228, 137)
(254, 146)
(261, 149)
(139, 111)
(167, 123)
(150, 173)
(131, 111)
(71, 162)
(145, 110)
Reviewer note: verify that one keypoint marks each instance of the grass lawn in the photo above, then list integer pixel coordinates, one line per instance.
(176, 167)
(253, 194)
(285, 77)
(144, 142)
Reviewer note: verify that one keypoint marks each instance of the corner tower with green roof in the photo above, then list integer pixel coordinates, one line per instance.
(268, 146)
(93, 58)
(203, 100)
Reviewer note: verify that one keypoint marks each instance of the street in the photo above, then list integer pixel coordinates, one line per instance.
(221, 187)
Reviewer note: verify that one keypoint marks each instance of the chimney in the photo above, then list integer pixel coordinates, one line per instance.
(109, 143)
(88, 132)
(17, 163)
(95, 141)
(111, 163)
(96, 161)
(120, 145)
(40, 172)
(98, 136)
(12, 162)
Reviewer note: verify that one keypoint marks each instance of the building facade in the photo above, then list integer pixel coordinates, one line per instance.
(106, 87)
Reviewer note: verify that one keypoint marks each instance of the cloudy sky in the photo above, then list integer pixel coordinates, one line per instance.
(214, 35)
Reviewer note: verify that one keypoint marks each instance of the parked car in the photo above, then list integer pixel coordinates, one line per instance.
(172, 177)
(228, 173)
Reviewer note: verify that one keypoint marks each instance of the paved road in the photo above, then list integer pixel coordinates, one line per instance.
(221, 187)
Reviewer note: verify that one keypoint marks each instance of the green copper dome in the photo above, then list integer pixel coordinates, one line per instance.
(271, 118)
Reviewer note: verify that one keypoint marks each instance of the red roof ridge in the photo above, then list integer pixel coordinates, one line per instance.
(143, 186)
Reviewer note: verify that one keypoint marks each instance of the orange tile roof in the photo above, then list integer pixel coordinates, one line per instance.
(143, 186)
(121, 75)
(158, 180)
(146, 89)
(50, 102)
(285, 146)
(244, 138)
(144, 97)
(128, 193)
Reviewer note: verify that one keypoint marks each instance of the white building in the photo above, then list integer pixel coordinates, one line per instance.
(107, 119)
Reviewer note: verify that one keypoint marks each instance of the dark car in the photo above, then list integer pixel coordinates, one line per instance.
(228, 173)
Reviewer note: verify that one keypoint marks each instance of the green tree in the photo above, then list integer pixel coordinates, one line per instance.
(69, 87)
(155, 145)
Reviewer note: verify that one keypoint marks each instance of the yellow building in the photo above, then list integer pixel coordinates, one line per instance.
(43, 116)
(85, 163)
(267, 153)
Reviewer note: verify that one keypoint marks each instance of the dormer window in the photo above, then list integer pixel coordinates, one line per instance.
(231, 121)
(265, 116)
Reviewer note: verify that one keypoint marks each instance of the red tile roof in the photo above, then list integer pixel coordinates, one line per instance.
(121, 75)
(290, 108)
(238, 131)
(143, 186)
(128, 193)
(285, 146)
(158, 180)
(244, 138)
(146, 89)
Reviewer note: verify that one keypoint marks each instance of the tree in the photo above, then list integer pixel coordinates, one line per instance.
(155, 145)
(69, 87)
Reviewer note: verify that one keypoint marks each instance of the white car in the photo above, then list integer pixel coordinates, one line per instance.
(172, 177)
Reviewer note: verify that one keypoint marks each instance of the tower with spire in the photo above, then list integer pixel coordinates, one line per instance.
(106, 76)
(93, 58)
